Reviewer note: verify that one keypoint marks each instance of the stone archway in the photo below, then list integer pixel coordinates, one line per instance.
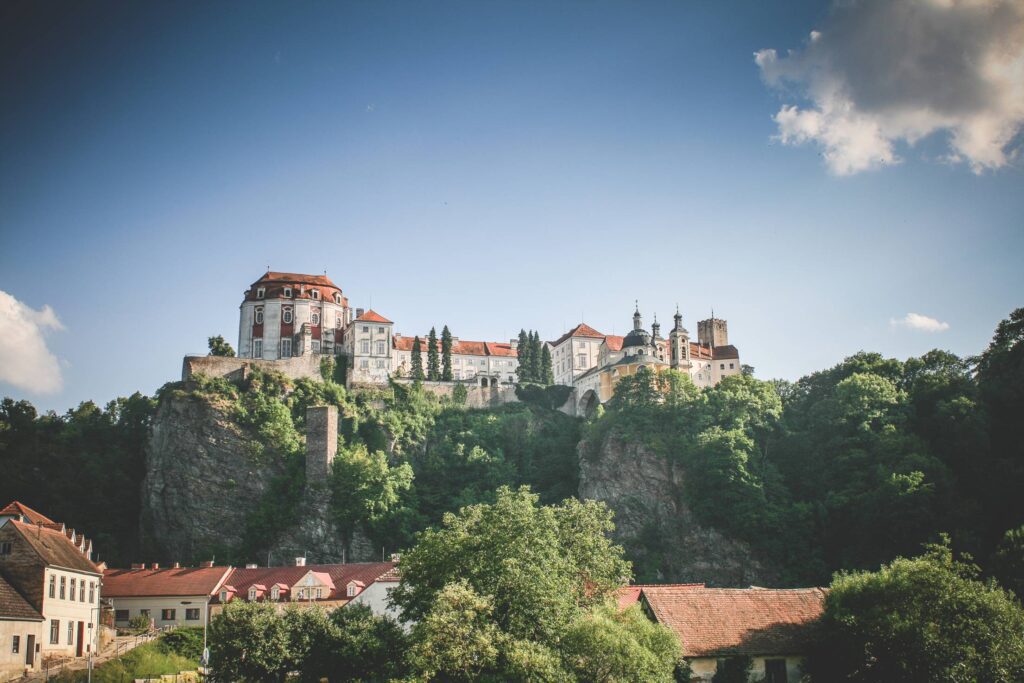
(588, 404)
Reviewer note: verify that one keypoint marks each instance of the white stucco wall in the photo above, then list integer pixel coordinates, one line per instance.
(375, 596)
(13, 664)
(156, 606)
(68, 609)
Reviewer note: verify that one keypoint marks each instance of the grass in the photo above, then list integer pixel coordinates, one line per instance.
(146, 661)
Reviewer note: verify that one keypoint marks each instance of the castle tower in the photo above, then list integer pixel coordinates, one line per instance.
(713, 332)
(638, 322)
(679, 342)
(321, 442)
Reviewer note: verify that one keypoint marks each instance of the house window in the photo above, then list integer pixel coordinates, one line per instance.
(260, 293)
(286, 314)
(252, 594)
(315, 293)
(275, 593)
(5, 548)
(54, 631)
(732, 366)
(380, 348)
(121, 615)
(257, 348)
(721, 366)
(314, 318)
(351, 590)
(364, 347)
(53, 586)
(223, 596)
(63, 587)
(286, 348)
(71, 633)
(92, 592)
(457, 361)
(81, 591)
(167, 614)
(72, 596)
(364, 363)
(775, 671)
(15, 645)
(144, 613)
(288, 292)
(191, 614)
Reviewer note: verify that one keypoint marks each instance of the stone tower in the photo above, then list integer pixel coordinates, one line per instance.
(713, 332)
(321, 442)
(679, 342)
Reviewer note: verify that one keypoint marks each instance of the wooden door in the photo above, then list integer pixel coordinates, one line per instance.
(79, 649)
(30, 651)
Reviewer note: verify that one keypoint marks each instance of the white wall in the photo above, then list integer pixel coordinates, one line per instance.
(68, 609)
(156, 605)
(12, 664)
(376, 597)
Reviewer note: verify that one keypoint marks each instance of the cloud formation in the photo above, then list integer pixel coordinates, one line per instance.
(922, 323)
(884, 71)
(25, 361)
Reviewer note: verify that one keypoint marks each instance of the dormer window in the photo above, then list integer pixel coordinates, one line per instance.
(260, 293)
(316, 293)
(223, 596)
(286, 314)
(288, 292)
(275, 593)
(259, 315)
(337, 298)
(252, 594)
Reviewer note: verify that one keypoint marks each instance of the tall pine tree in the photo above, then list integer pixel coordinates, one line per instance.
(417, 360)
(433, 362)
(535, 371)
(547, 371)
(446, 354)
(523, 350)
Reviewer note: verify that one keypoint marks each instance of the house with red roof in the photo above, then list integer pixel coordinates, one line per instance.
(480, 362)
(773, 627)
(21, 630)
(50, 567)
(166, 596)
(367, 343)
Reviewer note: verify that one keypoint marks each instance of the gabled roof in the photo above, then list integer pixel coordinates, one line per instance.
(614, 342)
(713, 622)
(54, 548)
(725, 352)
(499, 349)
(581, 330)
(22, 510)
(130, 583)
(15, 607)
(372, 316)
(336, 575)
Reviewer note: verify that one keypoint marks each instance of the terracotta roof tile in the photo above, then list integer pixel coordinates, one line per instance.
(499, 349)
(297, 278)
(737, 621)
(302, 286)
(459, 348)
(331, 574)
(54, 548)
(129, 583)
(372, 316)
(14, 606)
(16, 508)
(614, 342)
(581, 330)
(725, 352)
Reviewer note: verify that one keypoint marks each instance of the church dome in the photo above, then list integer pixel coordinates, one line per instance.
(636, 338)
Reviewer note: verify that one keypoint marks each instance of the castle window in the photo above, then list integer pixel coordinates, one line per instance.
(366, 328)
(315, 293)
(380, 330)
(260, 293)
(257, 348)
(92, 591)
(337, 322)
(315, 345)
(337, 298)
(314, 318)
(259, 315)
(286, 314)
(364, 346)
(286, 348)
(364, 364)
(380, 363)
(288, 292)
(380, 348)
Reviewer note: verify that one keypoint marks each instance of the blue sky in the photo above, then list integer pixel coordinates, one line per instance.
(489, 166)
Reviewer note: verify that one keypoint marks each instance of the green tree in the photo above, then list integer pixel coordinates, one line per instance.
(535, 356)
(611, 644)
(365, 487)
(433, 361)
(220, 347)
(1008, 562)
(923, 619)
(417, 360)
(446, 354)
(523, 371)
(365, 646)
(249, 641)
(547, 375)
(457, 639)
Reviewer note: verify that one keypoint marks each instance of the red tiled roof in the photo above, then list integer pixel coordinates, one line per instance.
(302, 286)
(628, 595)
(581, 330)
(499, 349)
(296, 278)
(15, 607)
(372, 316)
(459, 348)
(130, 583)
(725, 352)
(392, 575)
(30, 515)
(737, 621)
(614, 342)
(54, 548)
(331, 574)
(700, 351)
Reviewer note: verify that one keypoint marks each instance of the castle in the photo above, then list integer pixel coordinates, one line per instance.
(288, 316)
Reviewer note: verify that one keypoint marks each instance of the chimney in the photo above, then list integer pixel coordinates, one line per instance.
(138, 565)
(395, 557)
(321, 442)
(300, 562)
(177, 565)
(156, 565)
(251, 566)
(359, 312)
(206, 564)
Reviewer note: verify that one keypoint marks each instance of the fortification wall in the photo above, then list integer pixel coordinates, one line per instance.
(299, 367)
(476, 395)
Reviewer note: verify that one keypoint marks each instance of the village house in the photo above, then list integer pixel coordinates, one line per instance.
(50, 566)
(771, 626)
(21, 630)
(165, 596)
(329, 586)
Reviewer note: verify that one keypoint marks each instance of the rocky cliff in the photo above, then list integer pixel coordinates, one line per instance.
(654, 522)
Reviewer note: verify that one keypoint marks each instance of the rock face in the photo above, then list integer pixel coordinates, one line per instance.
(646, 492)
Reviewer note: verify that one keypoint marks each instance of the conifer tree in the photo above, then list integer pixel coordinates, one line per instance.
(535, 359)
(433, 362)
(446, 354)
(523, 350)
(417, 360)
(547, 371)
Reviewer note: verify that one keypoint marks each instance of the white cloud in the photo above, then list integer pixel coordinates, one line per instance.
(916, 321)
(881, 72)
(25, 361)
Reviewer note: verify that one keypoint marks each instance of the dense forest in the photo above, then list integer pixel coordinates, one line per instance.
(846, 468)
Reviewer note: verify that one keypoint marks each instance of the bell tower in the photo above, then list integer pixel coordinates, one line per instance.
(679, 342)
